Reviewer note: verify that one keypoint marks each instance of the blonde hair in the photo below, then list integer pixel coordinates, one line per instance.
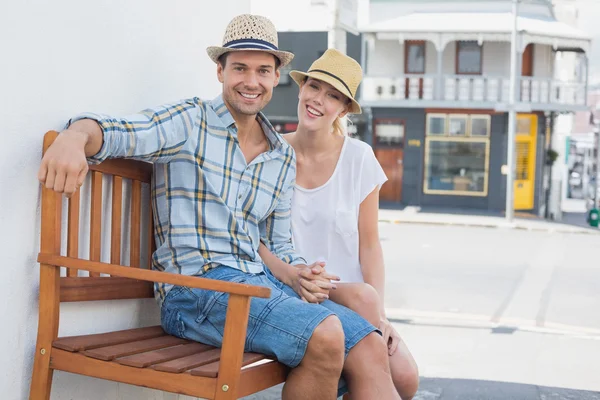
(339, 126)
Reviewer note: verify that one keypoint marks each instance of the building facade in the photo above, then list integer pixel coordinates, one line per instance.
(436, 90)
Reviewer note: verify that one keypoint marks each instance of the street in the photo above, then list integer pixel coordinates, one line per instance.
(495, 313)
(500, 305)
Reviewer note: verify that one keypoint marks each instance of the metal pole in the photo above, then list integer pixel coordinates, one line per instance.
(512, 118)
(597, 169)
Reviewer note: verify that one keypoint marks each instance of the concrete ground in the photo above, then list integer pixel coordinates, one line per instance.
(495, 313)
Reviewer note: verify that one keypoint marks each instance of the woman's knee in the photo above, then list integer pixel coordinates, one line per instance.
(366, 302)
(406, 383)
(405, 374)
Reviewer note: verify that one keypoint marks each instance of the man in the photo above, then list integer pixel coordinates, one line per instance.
(223, 180)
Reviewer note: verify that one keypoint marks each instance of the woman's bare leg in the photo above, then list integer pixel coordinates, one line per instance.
(364, 300)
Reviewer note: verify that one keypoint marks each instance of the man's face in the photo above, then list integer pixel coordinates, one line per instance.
(248, 80)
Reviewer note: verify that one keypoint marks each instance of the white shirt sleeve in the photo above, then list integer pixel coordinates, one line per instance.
(371, 174)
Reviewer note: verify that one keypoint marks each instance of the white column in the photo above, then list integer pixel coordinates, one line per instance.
(512, 118)
(440, 73)
(336, 37)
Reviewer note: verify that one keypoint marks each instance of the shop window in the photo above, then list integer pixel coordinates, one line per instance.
(389, 133)
(480, 125)
(457, 157)
(457, 125)
(436, 124)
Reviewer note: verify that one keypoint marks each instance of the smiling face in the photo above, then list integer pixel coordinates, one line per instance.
(320, 104)
(248, 79)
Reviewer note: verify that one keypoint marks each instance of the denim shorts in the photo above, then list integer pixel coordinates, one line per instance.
(279, 326)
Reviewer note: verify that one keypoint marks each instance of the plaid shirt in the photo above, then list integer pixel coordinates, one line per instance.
(211, 208)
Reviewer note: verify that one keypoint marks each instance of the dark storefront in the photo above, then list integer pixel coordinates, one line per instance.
(455, 158)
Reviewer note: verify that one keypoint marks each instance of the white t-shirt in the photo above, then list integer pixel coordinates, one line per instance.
(325, 219)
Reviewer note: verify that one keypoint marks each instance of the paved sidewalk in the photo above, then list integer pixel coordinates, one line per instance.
(469, 389)
(413, 215)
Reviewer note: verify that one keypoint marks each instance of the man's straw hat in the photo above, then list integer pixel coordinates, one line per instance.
(337, 69)
(250, 33)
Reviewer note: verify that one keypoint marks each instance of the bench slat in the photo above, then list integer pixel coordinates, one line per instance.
(103, 288)
(126, 349)
(96, 219)
(87, 342)
(136, 215)
(212, 370)
(160, 356)
(116, 220)
(192, 361)
(73, 231)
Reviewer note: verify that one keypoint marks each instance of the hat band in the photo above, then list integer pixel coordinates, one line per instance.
(333, 76)
(250, 44)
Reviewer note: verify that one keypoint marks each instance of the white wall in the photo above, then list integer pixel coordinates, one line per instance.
(386, 10)
(60, 58)
(303, 16)
(387, 59)
(543, 61)
(496, 58)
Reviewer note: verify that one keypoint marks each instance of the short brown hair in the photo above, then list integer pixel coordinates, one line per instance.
(223, 60)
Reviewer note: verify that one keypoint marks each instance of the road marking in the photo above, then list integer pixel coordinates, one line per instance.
(447, 319)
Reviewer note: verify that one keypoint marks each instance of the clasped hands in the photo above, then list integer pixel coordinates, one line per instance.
(312, 282)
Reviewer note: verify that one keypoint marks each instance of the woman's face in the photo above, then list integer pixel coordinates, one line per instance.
(320, 104)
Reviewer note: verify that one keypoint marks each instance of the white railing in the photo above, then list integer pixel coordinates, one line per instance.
(471, 88)
(549, 91)
(405, 87)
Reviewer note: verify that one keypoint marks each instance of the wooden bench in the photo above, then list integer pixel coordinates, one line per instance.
(146, 356)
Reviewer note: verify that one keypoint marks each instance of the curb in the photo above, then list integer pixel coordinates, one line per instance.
(581, 231)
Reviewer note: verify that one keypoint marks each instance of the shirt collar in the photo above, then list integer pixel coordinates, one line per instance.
(277, 142)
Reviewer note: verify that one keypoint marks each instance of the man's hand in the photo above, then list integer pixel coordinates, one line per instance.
(64, 165)
(312, 282)
(390, 337)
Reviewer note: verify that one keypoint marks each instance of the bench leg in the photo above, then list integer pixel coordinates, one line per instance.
(41, 381)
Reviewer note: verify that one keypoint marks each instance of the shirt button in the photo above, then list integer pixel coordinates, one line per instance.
(240, 196)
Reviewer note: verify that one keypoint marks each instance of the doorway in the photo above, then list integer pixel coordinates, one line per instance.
(388, 140)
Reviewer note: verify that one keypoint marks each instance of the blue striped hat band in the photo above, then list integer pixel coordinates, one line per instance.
(250, 44)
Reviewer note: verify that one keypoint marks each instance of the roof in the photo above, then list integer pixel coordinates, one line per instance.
(547, 31)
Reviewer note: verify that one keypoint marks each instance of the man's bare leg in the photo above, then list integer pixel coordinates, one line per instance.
(317, 376)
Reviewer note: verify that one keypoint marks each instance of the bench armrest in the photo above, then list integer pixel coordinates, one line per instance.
(155, 276)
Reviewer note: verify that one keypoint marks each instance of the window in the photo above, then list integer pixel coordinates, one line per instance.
(414, 56)
(468, 58)
(457, 154)
(436, 124)
(389, 133)
(457, 125)
(285, 78)
(480, 125)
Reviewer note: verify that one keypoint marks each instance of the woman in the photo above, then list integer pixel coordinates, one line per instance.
(335, 206)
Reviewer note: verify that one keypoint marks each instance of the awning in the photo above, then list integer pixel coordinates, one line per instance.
(443, 28)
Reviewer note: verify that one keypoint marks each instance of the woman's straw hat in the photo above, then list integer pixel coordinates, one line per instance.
(250, 33)
(337, 69)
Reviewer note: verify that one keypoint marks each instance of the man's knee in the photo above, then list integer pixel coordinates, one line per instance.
(326, 344)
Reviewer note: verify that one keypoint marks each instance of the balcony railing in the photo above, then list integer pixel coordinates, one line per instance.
(415, 89)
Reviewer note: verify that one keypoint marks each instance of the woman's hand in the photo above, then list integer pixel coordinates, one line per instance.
(390, 336)
(312, 283)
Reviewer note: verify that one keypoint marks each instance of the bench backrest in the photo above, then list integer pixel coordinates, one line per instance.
(118, 215)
